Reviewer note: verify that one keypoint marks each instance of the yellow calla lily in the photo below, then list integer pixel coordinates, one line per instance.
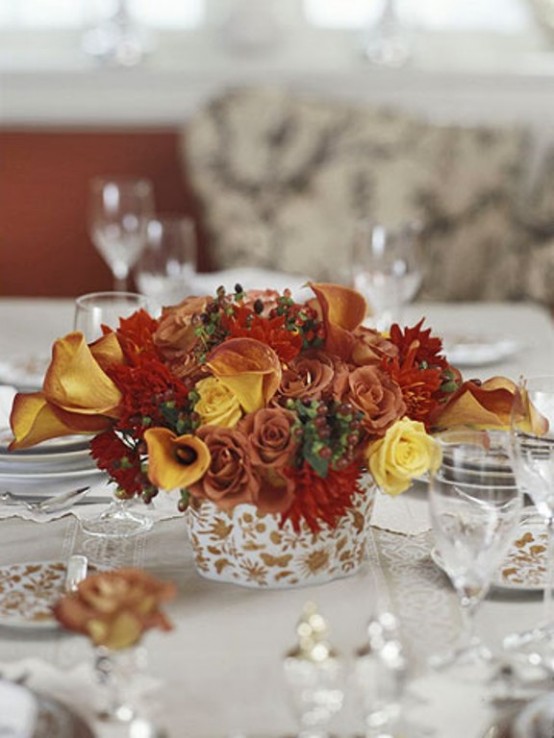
(250, 369)
(175, 461)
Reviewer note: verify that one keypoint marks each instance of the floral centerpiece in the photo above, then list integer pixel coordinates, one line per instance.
(254, 398)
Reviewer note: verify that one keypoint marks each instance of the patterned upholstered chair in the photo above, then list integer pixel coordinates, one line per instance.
(282, 179)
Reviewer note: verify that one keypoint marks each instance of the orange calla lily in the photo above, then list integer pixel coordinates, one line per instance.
(342, 310)
(249, 369)
(107, 350)
(33, 420)
(77, 397)
(488, 405)
(75, 381)
(175, 461)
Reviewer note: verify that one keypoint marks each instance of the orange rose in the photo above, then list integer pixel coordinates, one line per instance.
(377, 396)
(175, 336)
(115, 608)
(230, 479)
(269, 434)
(371, 347)
(308, 376)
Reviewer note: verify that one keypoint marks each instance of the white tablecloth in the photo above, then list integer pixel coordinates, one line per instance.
(221, 666)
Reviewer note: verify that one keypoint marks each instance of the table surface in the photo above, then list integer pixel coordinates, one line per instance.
(221, 667)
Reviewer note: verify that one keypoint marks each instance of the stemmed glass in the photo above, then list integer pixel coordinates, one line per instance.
(167, 265)
(386, 268)
(532, 450)
(119, 210)
(92, 311)
(475, 509)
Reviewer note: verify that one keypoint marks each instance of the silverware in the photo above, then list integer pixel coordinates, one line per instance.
(77, 567)
(52, 504)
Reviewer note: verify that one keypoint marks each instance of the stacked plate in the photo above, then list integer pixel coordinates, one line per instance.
(27, 714)
(48, 468)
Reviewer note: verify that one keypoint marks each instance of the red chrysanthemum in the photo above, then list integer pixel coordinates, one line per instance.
(318, 499)
(420, 370)
(121, 461)
(419, 344)
(135, 335)
(245, 323)
(151, 395)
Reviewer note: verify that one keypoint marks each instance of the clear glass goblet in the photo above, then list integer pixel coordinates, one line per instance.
(386, 268)
(92, 312)
(167, 264)
(532, 451)
(475, 509)
(119, 210)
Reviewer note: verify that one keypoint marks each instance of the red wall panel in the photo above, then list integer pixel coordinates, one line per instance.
(44, 246)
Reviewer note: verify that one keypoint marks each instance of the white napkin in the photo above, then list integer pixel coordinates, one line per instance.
(7, 394)
(407, 513)
(251, 278)
(450, 706)
(18, 711)
(163, 507)
(78, 688)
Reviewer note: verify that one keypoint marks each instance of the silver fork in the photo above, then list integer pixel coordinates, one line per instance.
(56, 503)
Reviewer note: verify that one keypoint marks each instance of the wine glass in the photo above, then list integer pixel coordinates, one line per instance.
(532, 450)
(92, 311)
(386, 268)
(475, 509)
(118, 214)
(167, 264)
(387, 42)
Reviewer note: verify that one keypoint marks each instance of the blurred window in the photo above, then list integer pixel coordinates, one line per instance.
(75, 14)
(501, 16)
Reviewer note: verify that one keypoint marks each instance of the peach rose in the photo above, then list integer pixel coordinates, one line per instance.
(308, 376)
(114, 608)
(230, 479)
(370, 347)
(377, 396)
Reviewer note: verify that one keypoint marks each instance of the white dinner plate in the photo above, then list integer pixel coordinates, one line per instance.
(524, 567)
(72, 461)
(467, 350)
(52, 447)
(24, 372)
(48, 483)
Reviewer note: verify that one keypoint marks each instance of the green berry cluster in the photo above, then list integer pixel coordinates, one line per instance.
(328, 433)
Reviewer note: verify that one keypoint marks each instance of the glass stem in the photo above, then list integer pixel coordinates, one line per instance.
(468, 634)
(547, 601)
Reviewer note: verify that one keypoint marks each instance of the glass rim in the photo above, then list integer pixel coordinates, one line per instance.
(107, 295)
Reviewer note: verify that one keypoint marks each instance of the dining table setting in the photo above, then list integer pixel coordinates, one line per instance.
(217, 656)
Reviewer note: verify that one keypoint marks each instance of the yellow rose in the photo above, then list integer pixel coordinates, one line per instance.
(217, 404)
(405, 452)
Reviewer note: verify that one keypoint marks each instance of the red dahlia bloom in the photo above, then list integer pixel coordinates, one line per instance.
(320, 499)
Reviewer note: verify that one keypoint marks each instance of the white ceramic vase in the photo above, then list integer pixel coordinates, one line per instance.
(252, 550)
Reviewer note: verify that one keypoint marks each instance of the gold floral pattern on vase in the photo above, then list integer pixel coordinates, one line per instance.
(247, 548)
